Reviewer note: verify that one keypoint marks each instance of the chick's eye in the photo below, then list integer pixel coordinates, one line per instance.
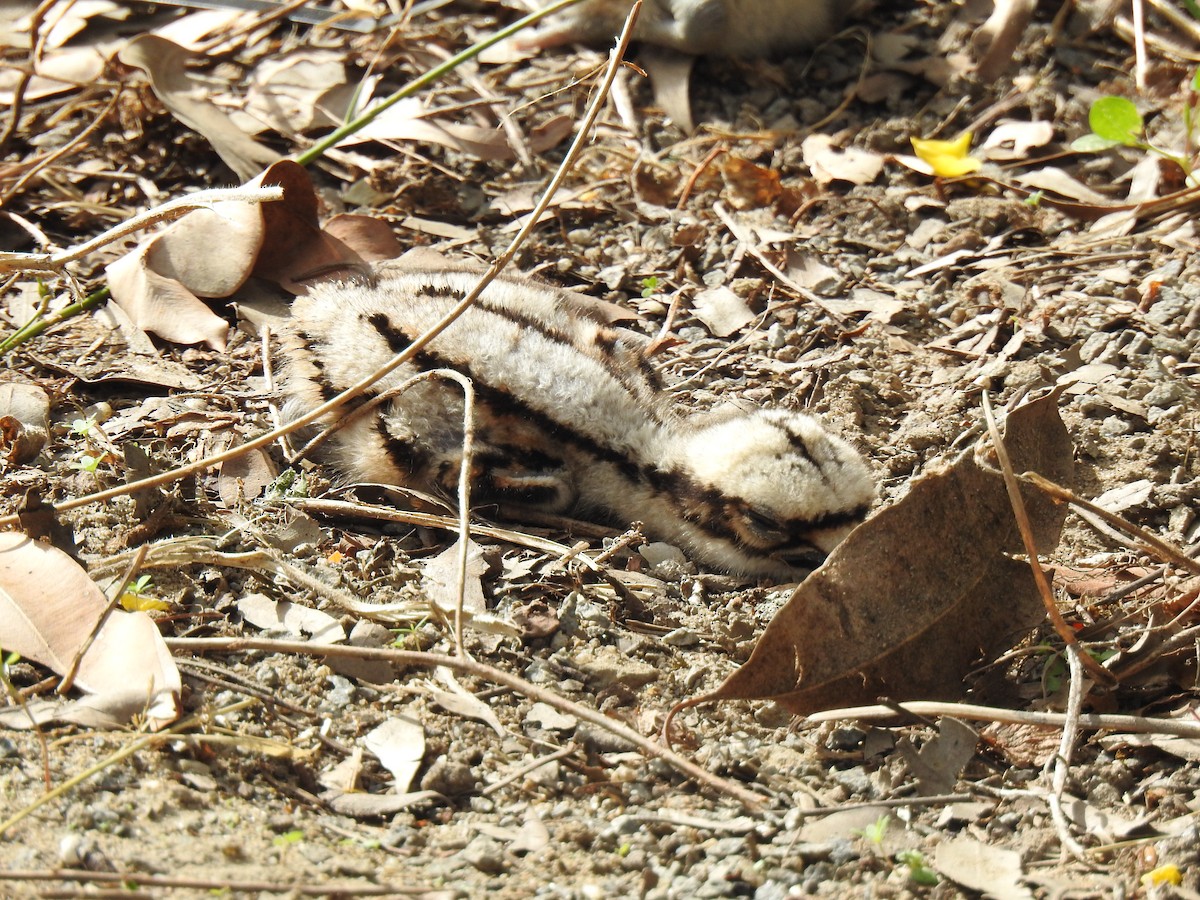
(763, 526)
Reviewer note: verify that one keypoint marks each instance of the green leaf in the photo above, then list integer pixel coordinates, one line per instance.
(1196, 80)
(1116, 119)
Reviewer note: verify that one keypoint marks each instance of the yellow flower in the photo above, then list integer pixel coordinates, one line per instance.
(1168, 874)
(947, 158)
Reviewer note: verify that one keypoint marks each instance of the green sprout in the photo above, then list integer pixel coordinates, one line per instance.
(82, 427)
(87, 463)
(918, 870)
(649, 286)
(876, 830)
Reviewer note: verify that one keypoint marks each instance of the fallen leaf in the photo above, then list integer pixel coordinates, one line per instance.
(49, 609)
(1013, 139)
(721, 310)
(283, 616)
(190, 101)
(829, 163)
(440, 580)
(533, 836)
(939, 763)
(916, 595)
(24, 422)
(461, 702)
(1051, 178)
(245, 477)
(749, 185)
(993, 871)
(398, 743)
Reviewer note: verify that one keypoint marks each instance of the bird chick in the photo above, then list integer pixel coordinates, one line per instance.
(700, 27)
(569, 417)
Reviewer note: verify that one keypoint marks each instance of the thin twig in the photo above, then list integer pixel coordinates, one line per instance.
(682, 764)
(1151, 544)
(1089, 722)
(1065, 632)
(1066, 749)
(53, 262)
(62, 151)
(134, 565)
(332, 139)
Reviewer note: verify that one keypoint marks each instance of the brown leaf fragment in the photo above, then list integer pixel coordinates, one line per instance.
(749, 185)
(190, 100)
(996, 872)
(24, 422)
(48, 611)
(938, 764)
(245, 477)
(294, 246)
(915, 596)
(399, 743)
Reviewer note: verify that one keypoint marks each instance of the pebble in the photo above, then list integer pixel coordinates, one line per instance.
(485, 854)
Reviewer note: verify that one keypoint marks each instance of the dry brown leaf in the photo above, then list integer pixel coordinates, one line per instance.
(189, 100)
(294, 246)
(994, 871)
(283, 616)
(244, 477)
(915, 596)
(371, 239)
(296, 92)
(939, 763)
(721, 310)
(749, 185)
(24, 422)
(159, 284)
(49, 608)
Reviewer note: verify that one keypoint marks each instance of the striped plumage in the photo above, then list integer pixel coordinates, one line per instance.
(569, 418)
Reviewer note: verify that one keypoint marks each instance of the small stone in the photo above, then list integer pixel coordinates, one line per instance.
(545, 716)
(1114, 426)
(485, 854)
(450, 777)
(606, 667)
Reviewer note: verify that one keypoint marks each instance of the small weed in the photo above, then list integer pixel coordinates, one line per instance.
(87, 463)
(918, 870)
(1116, 122)
(874, 832)
(649, 286)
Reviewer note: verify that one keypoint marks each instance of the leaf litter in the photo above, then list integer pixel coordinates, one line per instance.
(1021, 307)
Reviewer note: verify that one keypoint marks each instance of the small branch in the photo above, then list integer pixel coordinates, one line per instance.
(1131, 724)
(685, 766)
(1065, 632)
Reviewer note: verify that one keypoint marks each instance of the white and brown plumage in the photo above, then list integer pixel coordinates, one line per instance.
(701, 27)
(569, 417)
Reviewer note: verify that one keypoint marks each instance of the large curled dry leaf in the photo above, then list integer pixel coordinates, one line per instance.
(49, 608)
(160, 283)
(910, 602)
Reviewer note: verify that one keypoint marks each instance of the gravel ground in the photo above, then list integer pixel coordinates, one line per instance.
(903, 300)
